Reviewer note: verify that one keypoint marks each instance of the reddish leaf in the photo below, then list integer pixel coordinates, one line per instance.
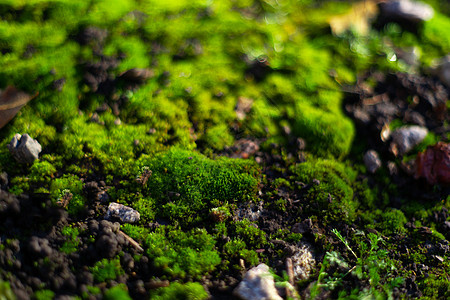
(434, 164)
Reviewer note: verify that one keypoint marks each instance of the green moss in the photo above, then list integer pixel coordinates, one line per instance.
(178, 254)
(325, 133)
(179, 291)
(218, 136)
(42, 171)
(205, 57)
(118, 292)
(237, 249)
(72, 240)
(334, 194)
(68, 187)
(106, 269)
(44, 295)
(5, 291)
(435, 287)
(393, 221)
(19, 185)
(92, 290)
(184, 184)
(435, 38)
(249, 232)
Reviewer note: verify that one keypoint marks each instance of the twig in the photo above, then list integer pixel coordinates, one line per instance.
(131, 241)
(290, 270)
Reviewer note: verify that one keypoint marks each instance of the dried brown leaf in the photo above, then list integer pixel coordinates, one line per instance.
(434, 164)
(11, 101)
(358, 18)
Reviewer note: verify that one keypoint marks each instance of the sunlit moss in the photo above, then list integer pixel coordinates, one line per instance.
(332, 191)
(176, 253)
(184, 184)
(326, 133)
(176, 290)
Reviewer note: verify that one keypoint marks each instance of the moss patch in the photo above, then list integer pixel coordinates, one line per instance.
(331, 189)
(185, 185)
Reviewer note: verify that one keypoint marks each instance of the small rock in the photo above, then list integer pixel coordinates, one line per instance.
(96, 119)
(410, 55)
(243, 107)
(103, 196)
(124, 213)
(58, 84)
(303, 262)
(244, 148)
(372, 161)
(303, 227)
(361, 116)
(24, 148)
(406, 138)
(392, 167)
(442, 70)
(258, 283)
(407, 10)
(301, 144)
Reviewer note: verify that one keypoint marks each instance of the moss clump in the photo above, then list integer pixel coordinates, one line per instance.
(44, 295)
(332, 194)
(118, 292)
(326, 132)
(435, 286)
(5, 291)
(179, 291)
(106, 269)
(237, 249)
(254, 237)
(72, 240)
(185, 186)
(389, 221)
(178, 254)
(67, 191)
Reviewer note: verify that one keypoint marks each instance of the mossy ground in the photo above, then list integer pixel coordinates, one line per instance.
(160, 145)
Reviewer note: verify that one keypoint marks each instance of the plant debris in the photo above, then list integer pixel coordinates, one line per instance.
(11, 101)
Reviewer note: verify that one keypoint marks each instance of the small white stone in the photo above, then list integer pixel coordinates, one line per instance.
(413, 11)
(24, 148)
(124, 213)
(258, 284)
(407, 137)
(372, 161)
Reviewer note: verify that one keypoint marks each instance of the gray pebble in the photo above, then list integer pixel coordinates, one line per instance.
(124, 213)
(372, 161)
(258, 283)
(407, 137)
(413, 11)
(24, 149)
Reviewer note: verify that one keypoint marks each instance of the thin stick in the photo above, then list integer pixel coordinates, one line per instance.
(132, 242)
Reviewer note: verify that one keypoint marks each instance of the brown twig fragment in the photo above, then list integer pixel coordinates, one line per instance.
(290, 270)
(131, 241)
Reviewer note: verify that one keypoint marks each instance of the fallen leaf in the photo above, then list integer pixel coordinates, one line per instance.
(137, 75)
(358, 18)
(11, 101)
(434, 164)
